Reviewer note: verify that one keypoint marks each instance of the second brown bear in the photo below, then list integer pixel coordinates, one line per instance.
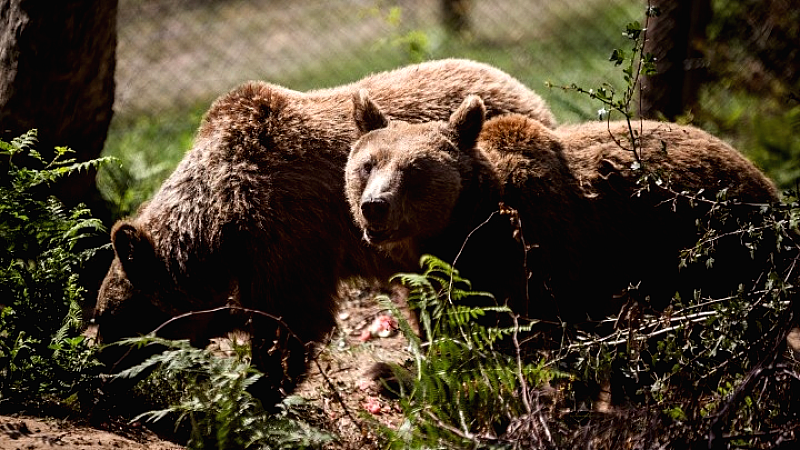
(591, 230)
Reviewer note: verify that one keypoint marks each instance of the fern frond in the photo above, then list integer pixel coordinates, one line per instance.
(155, 416)
(91, 164)
(57, 168)
(463, 381)
(81, 229)
(26, 141)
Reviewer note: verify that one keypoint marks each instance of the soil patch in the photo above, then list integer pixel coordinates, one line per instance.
(29, 433)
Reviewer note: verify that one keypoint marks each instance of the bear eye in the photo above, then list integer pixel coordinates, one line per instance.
(366, 168)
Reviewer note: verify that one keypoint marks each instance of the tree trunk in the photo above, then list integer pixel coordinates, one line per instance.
(57, 63)
(676, 39)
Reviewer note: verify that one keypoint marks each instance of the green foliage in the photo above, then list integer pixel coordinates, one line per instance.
(752, 96)
(415, 44)
(634, 64)
(464, 387)
(766, 129)
(752, 44)
(41, 251)
(212, 394)
(698, 362)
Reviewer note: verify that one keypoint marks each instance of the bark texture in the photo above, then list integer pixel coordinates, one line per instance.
(57, 63)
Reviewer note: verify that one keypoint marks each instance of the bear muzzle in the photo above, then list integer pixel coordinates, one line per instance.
(377, 222)
(376, 211)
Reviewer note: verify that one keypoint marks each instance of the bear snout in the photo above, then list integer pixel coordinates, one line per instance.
(378, 225)
(375, 211)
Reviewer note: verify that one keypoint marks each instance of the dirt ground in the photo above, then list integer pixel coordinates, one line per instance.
(26, 433)
(343, 402)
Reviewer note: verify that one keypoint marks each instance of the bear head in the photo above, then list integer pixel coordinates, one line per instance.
(133, 294)
(404, 180)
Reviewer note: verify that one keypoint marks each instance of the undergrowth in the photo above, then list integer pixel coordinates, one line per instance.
(464, 390)
(212, 395)
(43, 357)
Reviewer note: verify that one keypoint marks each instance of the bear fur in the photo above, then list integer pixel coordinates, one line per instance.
(589, 227)
(255, 214)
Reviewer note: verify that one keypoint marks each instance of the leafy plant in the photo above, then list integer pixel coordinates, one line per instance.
(41, 253)
(634, 63)
(464, 389)
(212, 394)
(691, 370)
(415, 44)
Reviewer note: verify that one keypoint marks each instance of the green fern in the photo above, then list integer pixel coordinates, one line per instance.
(42, 354)
(21, 143)
(212, 395)
(466, 382)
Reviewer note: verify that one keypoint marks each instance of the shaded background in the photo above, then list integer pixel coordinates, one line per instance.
(739, 59)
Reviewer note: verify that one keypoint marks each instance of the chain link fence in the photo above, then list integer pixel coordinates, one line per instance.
(178, 53)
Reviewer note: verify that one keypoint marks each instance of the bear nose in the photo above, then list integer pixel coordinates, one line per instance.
(375, 210)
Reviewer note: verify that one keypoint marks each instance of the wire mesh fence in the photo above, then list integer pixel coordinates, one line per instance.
(174, 54)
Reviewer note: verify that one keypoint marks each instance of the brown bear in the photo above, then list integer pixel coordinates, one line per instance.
(255, 214)
(590, 229)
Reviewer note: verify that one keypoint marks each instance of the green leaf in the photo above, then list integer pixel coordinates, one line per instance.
(617, 56)
(633, 30)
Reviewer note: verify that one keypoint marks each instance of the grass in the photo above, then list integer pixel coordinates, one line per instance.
(766, 130)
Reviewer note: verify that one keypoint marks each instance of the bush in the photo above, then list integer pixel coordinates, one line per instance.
(211, 392)
(42, 355)
(469, 382)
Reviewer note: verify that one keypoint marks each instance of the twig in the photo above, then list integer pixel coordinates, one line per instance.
(546, 429)
(458, 255)
(522, 382)
(462, 434)
(695, 198)
(463, 245)
(766, 364)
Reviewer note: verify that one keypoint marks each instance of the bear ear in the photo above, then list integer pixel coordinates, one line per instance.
(466, 122)
(134, 249)
(366, 113)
